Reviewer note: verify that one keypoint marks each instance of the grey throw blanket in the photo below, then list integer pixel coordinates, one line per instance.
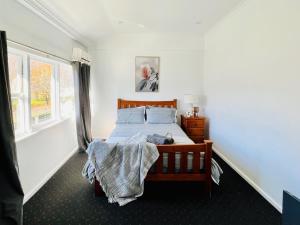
(120, 169)
(216, 171)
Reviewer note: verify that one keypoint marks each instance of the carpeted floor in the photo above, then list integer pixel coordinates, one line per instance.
(68, 199)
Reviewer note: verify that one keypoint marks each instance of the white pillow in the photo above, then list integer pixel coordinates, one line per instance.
(131, 115)
(161, 115)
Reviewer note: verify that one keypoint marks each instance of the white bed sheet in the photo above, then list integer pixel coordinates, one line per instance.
(122, 132)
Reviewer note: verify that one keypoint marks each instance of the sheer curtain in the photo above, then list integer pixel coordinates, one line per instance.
(11, 193)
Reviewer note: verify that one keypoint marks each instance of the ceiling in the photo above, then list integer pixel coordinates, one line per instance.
(92, 19)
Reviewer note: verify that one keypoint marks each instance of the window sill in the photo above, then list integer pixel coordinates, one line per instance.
(27, 135)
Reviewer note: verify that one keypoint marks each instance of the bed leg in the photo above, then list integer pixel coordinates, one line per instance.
(98, 189)
(208, 187)
(208, 156)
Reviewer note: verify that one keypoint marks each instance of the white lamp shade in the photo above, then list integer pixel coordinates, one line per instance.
(191, 99)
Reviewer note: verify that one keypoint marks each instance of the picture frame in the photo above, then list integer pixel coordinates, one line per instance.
(147, 73)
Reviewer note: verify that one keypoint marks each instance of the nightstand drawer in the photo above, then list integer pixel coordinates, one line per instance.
(195, 123)
(195, 131)
(197, 139)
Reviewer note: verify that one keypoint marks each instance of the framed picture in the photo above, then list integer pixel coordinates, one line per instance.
(146, 74)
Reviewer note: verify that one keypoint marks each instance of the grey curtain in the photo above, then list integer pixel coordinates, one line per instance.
(11, 193)
(82, 105)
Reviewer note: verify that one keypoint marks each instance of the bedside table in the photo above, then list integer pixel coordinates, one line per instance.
(194, 127)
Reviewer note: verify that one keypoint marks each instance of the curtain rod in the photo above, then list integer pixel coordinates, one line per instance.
(38, 50)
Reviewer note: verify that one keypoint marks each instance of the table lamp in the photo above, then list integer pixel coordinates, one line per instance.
(193, 101)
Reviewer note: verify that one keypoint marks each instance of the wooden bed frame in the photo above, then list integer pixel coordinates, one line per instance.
(170, 175)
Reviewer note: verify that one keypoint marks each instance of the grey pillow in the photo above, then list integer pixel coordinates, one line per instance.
(131, 115)
(161, 115)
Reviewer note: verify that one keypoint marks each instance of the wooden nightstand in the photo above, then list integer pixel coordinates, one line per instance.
(194, 127)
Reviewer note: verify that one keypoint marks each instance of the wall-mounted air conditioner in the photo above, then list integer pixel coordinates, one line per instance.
(80, 55)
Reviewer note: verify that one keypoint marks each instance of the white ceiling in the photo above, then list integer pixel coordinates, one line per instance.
(92, 19)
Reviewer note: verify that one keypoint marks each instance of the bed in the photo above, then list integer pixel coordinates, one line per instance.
(181, 161)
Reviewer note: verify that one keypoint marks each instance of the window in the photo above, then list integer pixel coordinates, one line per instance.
(42, 90)
(66, 90)
(15, 65)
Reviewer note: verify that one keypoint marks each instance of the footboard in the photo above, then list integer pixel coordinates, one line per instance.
(183, 174)
(170, 173)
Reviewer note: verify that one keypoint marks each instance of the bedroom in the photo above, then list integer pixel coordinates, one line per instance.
(237, 58)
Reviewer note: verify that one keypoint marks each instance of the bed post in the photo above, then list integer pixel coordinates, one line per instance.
(208, 156)
(98, 189)
(119, 103)
(175, 100)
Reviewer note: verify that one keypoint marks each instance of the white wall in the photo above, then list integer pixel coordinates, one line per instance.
(41, 154)
(22, 25)
(252, 82)
(181, 71)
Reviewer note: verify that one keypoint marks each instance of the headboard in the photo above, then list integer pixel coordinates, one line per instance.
(122, 103)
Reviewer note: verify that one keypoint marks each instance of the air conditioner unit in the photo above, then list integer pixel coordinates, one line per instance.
(80, 55)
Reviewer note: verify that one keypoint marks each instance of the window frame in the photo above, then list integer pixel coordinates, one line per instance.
(53, 118)
(61, 114)
(28, 127)
(22, 96)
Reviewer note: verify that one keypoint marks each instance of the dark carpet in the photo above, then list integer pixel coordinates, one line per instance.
(68, 199)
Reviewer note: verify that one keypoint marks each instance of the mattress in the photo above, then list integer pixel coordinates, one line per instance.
(122, 132)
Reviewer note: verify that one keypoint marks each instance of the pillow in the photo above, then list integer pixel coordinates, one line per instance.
(161, 115)
(131, 115)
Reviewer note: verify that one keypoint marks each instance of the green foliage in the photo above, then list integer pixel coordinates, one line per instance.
(38, 103)
(14, 103)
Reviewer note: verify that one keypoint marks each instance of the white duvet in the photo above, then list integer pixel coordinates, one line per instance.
(124, 131)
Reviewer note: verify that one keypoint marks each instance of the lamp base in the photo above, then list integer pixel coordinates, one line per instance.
(196, 111)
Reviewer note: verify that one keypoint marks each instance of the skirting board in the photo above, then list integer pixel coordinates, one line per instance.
(248, 180)
(48, 176)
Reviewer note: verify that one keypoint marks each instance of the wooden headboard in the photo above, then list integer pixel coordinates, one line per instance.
(122, 103)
